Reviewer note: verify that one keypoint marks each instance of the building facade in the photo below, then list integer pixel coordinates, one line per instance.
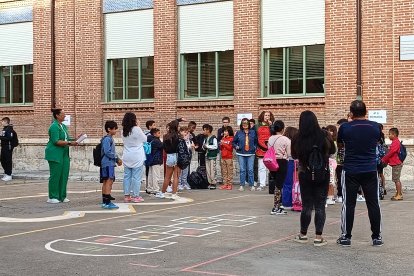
(202, 60)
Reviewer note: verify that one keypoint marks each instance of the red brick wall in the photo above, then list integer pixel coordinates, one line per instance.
(165, 60)
(340, 58)
(42, 65)
(403, 106)
(247, 52)
(387, 81)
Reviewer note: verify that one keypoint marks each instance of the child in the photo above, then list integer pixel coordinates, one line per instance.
(109, 161)
(394, 161)
(154, 161)
(211, 147)
(226, 148)
(184, 157)
(332, 167)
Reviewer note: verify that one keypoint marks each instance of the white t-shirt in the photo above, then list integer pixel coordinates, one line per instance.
(134, 154)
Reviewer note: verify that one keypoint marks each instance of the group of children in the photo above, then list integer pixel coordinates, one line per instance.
(211, 148)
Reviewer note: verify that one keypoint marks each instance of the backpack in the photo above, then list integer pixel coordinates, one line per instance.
(317, 165)
(184, 155)
(296, 196)
(14, 142)
(269, 159)
(380, 152)
(147, 147)
(97, 154)
(402, 154)
(198, 179)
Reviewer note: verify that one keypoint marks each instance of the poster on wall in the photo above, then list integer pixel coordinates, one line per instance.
(241, 116)
(67, 120)
(379, 116)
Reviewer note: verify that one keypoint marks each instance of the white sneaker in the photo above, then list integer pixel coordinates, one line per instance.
(252, 188)
(360, 198)
(339, 199)
(7, 177)
(330, 201)
(53, 201)
(180, 187)
(187, 186)
(66, 200)
(261, 188)
(241, 189)
(169, 189)
(175, 197)
(159, 195)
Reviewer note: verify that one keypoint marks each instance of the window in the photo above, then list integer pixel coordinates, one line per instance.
(130, 79)
(16, 84)
(207, 75)
(294, 71)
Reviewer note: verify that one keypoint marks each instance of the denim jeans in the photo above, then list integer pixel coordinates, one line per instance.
(246, 164)
(132, 180)
(182, 180)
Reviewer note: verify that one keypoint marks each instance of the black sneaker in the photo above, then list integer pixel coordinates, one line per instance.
(344, 241)
(212, 186)
(278, 211)
(377, 242)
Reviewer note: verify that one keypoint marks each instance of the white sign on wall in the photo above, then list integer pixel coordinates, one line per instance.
(67, 120)
(407, 47)
(379, 116)
(241, 116)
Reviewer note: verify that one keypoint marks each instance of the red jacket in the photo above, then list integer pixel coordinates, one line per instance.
(391, 157)
(263, 135)
(226, 147)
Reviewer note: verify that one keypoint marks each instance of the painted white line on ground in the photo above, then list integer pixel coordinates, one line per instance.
(123, 208)
(117, 217)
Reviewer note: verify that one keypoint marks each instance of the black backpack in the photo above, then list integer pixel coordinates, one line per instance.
(198, 179)
(184, 155)
(317, 165)
(14, 142)
(97, 154)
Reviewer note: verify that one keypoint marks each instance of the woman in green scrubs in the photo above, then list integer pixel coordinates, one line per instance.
(57, 155)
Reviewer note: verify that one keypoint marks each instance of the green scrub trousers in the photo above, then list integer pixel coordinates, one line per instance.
(58, 181)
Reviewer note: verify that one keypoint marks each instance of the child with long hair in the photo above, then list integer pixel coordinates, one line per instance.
(226, 149)
(171, 140)
(332, 166)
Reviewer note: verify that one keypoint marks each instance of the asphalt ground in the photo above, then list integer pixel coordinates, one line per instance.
(208, 232)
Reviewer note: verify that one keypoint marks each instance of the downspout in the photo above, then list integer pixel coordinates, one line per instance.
(52, 55)
(359, 50)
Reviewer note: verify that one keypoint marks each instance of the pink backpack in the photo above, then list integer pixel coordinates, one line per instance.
(296, 196)
(269, 159)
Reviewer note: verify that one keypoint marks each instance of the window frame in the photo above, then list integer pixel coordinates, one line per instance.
(109, 95)
(285, 74)
(10, 85)
(183, 77)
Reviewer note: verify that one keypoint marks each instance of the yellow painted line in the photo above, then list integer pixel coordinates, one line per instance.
(117, 217)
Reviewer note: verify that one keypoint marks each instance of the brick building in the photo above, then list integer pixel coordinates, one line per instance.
(202, 60)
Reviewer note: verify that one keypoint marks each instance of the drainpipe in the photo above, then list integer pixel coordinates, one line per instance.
(52, 54)
(359, 50)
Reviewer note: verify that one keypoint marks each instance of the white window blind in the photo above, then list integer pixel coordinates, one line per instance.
(293, 23)
(129, 34)
(206, 27)
(16, 44)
